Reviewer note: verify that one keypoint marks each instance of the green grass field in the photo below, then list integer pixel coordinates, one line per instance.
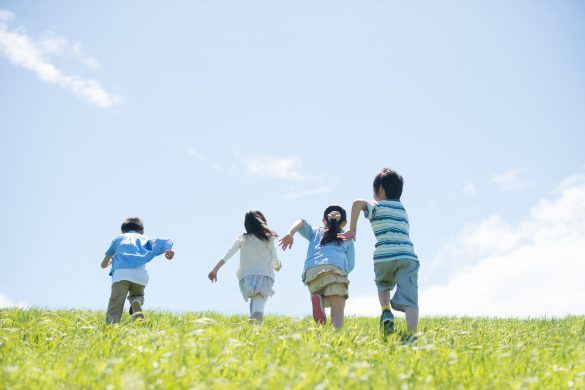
(75, 349)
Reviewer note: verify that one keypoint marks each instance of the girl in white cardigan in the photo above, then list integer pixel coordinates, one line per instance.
(258, 262)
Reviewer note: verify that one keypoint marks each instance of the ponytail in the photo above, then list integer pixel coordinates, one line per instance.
(334, 215)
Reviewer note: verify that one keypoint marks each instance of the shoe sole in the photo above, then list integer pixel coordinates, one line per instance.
(137, 311)
(318, 312)
(387, 327)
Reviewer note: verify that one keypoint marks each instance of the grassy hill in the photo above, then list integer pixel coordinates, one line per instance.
(75, 349)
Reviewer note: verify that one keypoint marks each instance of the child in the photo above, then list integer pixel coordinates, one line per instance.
(329, 261)
(128, 255)
(257, 262)
(395, 262)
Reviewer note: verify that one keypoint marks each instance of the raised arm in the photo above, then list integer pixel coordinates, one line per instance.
(106, 261)
(356, 208)
(287, 241)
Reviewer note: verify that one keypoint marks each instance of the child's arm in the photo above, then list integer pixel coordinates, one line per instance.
(107, 261)
(235, 247)
(287, 241)
(276, 263)
(357, 207)
(213, 274)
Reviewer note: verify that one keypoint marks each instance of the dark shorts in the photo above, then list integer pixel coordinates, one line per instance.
(402, 274)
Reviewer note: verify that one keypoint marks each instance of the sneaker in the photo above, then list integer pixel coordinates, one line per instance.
(387, 322)
(411, 339)
(318, 310)
(136, 310)
(256, 318)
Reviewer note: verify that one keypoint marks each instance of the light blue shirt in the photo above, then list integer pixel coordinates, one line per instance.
(341, 255)
(132, 250)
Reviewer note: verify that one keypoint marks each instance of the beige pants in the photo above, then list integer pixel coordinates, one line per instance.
(121, 290)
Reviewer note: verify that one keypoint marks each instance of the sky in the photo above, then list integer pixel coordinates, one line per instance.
(189, 114)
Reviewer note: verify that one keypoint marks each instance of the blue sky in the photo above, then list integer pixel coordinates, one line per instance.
(189, 114)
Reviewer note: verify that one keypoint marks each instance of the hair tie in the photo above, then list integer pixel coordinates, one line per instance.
(336, 215)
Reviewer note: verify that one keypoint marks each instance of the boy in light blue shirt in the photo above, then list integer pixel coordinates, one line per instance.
(128, 255)
(395, 262)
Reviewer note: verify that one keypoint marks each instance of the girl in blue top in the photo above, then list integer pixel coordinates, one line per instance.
(329, 261)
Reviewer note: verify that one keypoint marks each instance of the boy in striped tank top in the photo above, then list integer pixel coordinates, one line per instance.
(395, 262)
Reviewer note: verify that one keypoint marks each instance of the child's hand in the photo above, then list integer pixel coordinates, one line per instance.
(212, 276)
(169, 254)
(277, 267)
(286, 242)
(347, 235)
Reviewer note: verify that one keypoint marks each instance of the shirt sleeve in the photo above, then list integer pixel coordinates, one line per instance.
(112, 249)
(159, 246)
(369, 211)
(272, 247)
(235, 247)
(350, 256)
(307, 230)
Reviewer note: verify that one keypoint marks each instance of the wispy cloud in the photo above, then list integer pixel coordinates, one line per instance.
(315, 191)
(35, 56)
(195, 154)
(469, 189)
(509, 180)
(282, 168)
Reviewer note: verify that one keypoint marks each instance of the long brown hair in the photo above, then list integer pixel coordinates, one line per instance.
(255, 223)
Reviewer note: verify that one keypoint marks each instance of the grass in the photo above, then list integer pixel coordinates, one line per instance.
(75, 349)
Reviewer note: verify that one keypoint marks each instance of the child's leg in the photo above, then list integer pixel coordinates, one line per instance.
(136, 299)
(337, 303)
(257, 307)
(411, 318)
(116, 303)
(384, 298)
(406, 296)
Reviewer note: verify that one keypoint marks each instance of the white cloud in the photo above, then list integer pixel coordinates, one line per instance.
(315, 191)
(535, 268)
(22, 50)
(531, 269)
(469, 189)
(6, 302)
(195, 154)
(363, 305)
(6, 16)
(283, 168)
(509, 180)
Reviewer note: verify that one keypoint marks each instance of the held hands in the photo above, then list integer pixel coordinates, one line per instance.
(169, 254)
(286, 242)
(212, 276)
(347, 235)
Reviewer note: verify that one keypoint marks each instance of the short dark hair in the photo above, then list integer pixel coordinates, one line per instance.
(391, 182)
(135, 224)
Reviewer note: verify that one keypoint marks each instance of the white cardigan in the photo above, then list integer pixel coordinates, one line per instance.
(257, 257)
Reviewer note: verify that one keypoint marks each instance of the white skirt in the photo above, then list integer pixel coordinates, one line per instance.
(256, 284)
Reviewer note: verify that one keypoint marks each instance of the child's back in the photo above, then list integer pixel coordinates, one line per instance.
(258, 262)
(391, 227)
(128, 254)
